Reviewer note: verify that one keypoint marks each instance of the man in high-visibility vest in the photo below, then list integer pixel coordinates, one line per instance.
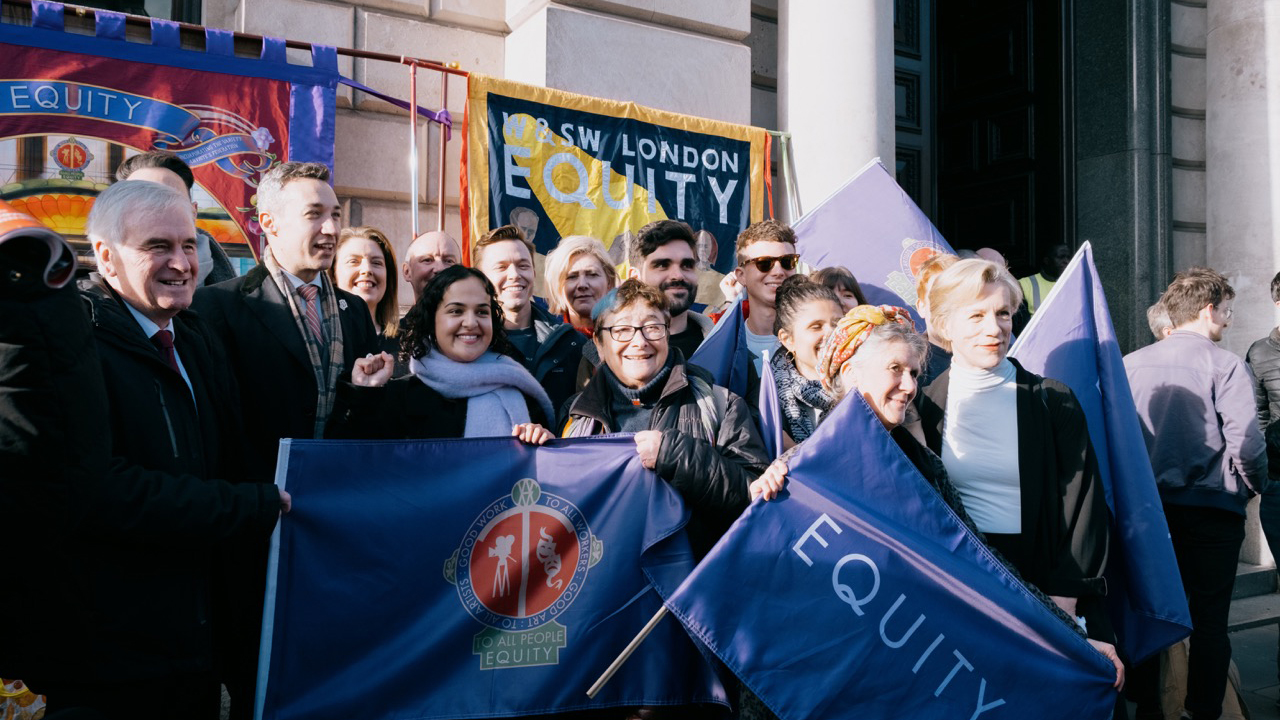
(1036, 287)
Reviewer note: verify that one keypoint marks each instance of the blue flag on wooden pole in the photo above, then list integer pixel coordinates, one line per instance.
(724, 351)
(859, 593)
(770, 409)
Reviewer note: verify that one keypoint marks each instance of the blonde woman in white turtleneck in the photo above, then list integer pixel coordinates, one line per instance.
(1016, 446)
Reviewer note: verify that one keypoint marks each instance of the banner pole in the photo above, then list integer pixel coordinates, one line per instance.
(616, 665)
(793, 194)
(413, 146)
(444, 143)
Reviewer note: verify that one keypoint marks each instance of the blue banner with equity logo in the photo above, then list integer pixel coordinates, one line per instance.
(472, 578)
(860, 594)
(873, 228)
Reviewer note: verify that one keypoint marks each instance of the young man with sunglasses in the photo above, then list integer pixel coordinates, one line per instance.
(766, 256)
(665, 256)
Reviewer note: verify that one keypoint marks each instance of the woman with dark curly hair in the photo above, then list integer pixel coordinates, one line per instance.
(464, 379)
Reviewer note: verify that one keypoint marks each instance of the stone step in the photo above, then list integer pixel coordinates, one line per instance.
(1252, 612)
(1253, 580)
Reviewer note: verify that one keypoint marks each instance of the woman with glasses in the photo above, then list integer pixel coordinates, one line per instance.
(696, 435)
(464, 379)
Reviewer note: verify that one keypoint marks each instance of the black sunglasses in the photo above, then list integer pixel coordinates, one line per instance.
(765, 264)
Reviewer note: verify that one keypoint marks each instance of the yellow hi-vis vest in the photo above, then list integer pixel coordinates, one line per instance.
(1035, 289)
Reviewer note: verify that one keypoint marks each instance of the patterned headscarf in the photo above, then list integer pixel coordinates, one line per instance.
(849, 334)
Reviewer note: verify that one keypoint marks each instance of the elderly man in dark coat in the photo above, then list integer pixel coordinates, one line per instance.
(147, 540)
(138, 514)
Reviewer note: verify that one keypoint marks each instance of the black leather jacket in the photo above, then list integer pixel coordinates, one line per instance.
(713, 478)
(1263, 359)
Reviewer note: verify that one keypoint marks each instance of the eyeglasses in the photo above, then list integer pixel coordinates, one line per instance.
(765, 264)
(624, 333)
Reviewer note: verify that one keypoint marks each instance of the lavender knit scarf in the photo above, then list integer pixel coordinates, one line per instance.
(495, 387)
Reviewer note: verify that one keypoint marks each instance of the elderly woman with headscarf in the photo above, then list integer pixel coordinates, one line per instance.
(875, 352)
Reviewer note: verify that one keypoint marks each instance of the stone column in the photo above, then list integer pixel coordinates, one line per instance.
(1243, 158)
(1243, 174)
(835, 89)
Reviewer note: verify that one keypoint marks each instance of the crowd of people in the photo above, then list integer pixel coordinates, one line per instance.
(157, 532)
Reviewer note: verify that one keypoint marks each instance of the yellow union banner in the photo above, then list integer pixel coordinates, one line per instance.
(557, 164)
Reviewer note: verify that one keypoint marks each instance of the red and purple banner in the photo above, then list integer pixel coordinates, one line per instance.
(73, 106)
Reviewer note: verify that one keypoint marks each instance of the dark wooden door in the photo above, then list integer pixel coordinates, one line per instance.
(1001, 149)
(913, 99)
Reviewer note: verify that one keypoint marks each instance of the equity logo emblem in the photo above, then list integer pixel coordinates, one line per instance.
(914, 254)
(522, 563)
(71, 157)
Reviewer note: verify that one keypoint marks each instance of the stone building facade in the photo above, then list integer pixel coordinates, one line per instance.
(688, 57)
(1150, 128)
(1169, 116)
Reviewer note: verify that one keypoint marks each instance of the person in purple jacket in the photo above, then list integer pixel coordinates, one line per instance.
(1196, 404)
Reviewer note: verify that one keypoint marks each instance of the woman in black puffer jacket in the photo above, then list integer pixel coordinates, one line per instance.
(696, 435)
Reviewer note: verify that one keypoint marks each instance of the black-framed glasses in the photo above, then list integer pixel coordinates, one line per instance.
(624, 333)
(765, 264)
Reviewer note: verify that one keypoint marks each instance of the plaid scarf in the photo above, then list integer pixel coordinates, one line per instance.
(327, 367)
(799, 396)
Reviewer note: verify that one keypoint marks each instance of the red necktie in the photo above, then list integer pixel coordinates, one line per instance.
(163, 340)
(312, 313)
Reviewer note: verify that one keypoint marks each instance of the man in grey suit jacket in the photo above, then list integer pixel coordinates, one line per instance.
(291, 337)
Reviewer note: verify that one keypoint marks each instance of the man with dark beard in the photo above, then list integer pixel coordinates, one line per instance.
(665, 256)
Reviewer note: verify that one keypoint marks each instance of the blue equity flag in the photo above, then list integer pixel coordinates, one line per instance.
(1071, 339)
(872, 227)
(859, 593)
(723, 353)
(472, 578)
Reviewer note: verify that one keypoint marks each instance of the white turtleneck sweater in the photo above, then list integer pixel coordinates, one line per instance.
(980, 445)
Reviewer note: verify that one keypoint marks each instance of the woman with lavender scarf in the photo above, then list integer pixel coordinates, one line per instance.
(464, 380)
